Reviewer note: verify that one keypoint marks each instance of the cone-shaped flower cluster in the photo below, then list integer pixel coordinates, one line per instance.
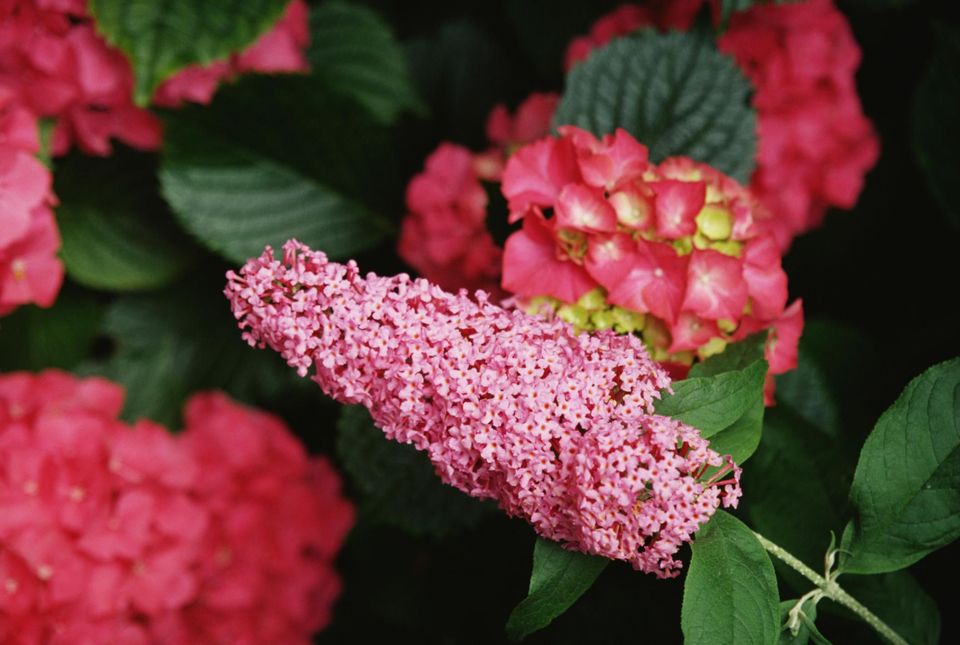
(815, 145)
(557, 427)
(608, 236)
(444, 234)
(225, 533)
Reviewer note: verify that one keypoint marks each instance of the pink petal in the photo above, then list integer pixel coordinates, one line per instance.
(677, 204)
(584, 209)
(531, 267)
(715, 285)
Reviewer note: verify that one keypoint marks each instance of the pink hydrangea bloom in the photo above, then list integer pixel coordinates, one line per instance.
(815, 144)
(444, 235)
(676, 253)
(224, 533)
(29, 269)
(60, 68)
(279, 50)
(558, 427)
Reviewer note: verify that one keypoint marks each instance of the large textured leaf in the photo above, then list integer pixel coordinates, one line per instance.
(62, 336)
(723, 398)
(907, 484)
(936, 131)
(397, 482)
(120, 235)
(162, 37)
(730, 594)
(272, 159)
(170, 344)
(558, 579)
(675, 93)
(353, 49)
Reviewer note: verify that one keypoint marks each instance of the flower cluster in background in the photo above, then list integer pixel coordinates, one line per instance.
(111, 533)
(444, 235)
(814, 143)
(675, 252)
(558, 427)
(55, 67)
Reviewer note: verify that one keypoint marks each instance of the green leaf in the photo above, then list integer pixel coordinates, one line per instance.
(121, 235)
(558, 579)
(723, 398)
(673, 92)
(397, 483)
(163, 37)
(61, 336)
(808, 630)
(353, 49)
(936, 131)
(272, 159)
(793, 481)
(907, 483)
(730, 594)
(899, 601)
(170, 344)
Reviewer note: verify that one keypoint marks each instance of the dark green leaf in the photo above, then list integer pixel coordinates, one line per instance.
(397, 482)
(675, 93)
(736, 356)
(272, 159)
(726, 408)
(936, 130)
(171, 344)
(899, 601)
(907, 483)
(62, 336)
(352, 48)
(161, 38)
(558, 578)
(793, 481)
(119, 236)
(730, 594)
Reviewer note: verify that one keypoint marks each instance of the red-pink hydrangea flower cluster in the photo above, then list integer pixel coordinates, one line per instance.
(29, 269)
(814, 143)
(225, 533)
(558, 427)
(607, 235)
(444, 235)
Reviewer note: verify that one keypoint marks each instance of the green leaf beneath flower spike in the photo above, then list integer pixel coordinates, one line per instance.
(352, 48)
(723, 398)
(558, 579)
(272, 159)
(675, 93)
(397, 483)
(907, 484)
(120, 236)
(730, 594)
(163, 37)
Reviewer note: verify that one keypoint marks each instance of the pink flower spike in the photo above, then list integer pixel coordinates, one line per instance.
(531, 266)
(584, 209)
(715, 286)
(558, 427)
(677, 204)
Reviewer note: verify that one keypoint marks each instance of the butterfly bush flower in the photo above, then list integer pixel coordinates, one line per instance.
(675, 252)
(814, 143)
(444, 235)
(558, 427)
(224, 533)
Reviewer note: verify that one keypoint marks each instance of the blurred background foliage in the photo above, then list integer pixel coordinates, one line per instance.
(426, 564)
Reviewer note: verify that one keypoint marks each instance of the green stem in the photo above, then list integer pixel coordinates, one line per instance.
(833, 591)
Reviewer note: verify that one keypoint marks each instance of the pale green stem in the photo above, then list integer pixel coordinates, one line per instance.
(833, 591)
